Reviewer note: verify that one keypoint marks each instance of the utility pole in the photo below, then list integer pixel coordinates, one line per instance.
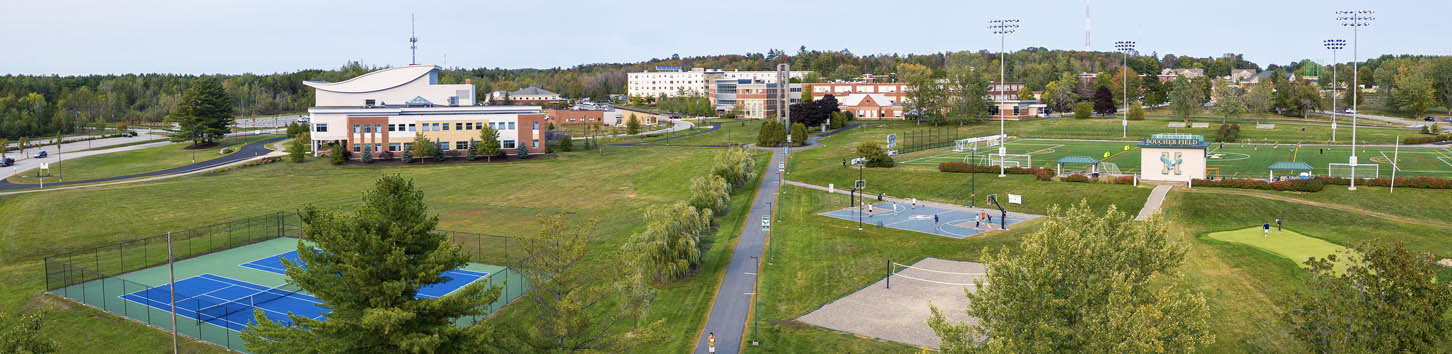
(1354, 19)
(1002, 28)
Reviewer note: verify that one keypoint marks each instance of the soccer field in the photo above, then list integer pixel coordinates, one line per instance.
(1232, 160)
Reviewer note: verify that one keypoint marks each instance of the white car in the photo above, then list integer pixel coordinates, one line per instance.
(303, 119)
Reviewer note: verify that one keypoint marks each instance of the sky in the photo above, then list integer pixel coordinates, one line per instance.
(68, 37)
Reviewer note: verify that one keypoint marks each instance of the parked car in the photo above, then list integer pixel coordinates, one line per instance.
(1447, 119)
(1429, 119)
(129, 134)
(7, 162)
(40, 154)
(303, 119)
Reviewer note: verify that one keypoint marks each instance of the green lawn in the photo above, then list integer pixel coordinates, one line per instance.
(132, 162)
(731, 132)
(1285, 243)
(499, 198)
(1210, 117)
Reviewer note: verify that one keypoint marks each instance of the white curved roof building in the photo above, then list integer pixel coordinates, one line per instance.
(413, 85)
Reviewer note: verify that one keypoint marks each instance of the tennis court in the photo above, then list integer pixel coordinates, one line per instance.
(949, 223)
(453, 279)
(1228, 160)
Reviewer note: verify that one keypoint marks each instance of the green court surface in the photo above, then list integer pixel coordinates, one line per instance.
(105, 292)
(1284, 243)
(1230, 160)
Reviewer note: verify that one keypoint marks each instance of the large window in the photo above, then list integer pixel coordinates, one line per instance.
(461, 145)
(469, 126)
(443, 145)
(356, 149)
(367, 128)
(393, 147)
(446, 126)
(536, 125)
(511, 125)
(458, 126)
(410, 126)
(356, 129)
(321, 127)
(506, 144)
(378, 128)
(536, 144)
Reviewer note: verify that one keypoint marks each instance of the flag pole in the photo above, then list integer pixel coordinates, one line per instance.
(171, 273)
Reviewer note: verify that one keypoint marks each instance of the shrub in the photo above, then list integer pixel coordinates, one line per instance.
(367, 157)
(1427, 139)
(1083, 110)
(521, 151)
(1136, 112)
(1405, 182)
(408, 156)
(1228, 133)
(1075, 178)
(772, 133)
(670, 246)
(295, 151)
(875, 155)
(735, 166)
(337, 155)
(568, 144)
(1296, 185)
(439, 154)
(1122, 180)
(1043, 174)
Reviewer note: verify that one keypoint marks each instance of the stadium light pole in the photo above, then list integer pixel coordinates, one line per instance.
(1126, 47)
(1356, 19)
(1334, 45)
(1002, 27)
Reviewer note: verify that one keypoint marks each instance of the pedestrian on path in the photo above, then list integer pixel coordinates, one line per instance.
(711, 342)
(1266, 233)
(1278, 224)
(869, 210)
(894, 209)
(935, 221)
(915, 203)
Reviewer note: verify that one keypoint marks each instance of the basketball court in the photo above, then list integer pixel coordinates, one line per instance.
(896, 308)
(950, 223)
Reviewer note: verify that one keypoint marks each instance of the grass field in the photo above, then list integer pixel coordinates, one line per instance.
(485, 198)
(133, 162)
(1285, 243)
(732, 131)
(1227, 160)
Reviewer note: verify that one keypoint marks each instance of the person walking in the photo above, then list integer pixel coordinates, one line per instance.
(869, 210)
(935, 221)
(1266, 233)
(1278, 224)
(711, 342)
(915, 203)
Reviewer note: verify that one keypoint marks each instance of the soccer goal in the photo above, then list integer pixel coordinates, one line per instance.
(1008, 160)
(971, 144)
(1110, 168)
(1362, 170)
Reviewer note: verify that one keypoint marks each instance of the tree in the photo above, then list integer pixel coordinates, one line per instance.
(423, 147)
(367, 267)
(337, 155)
(567, 144)
(407, 155)
(1441, 73)
(1384, 299)
(488, 143)
(632, 126)
(967, 97)
(1259, 99)
(581, 308)
(521, 151)
(1228, 101)
(710, 193)
(1117, 86)
(1098, 284)
(1024, 94)
(771, 133)
(23, 334)
(735, 165)
(875, 155)
(1083, 110)
(1184, 99)
(296, 150)
(367, 156)
(1414, 91)
(924, 98)
(1155, 93)
(203, 115)
(670, 247)
(799, 134)
(4, 146)
(1103, 101)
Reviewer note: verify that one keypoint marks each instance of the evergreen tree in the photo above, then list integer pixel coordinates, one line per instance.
(1103, 101)
(439, 153)
(521, 150)
(632, 126)
(367, 267)
(471, 155)
(407, 155)
(567, 144)
(203, 115)
(799, 134)
(296, 150)
(337, 155)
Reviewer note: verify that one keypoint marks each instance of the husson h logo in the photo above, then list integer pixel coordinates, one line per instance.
(1171, 164)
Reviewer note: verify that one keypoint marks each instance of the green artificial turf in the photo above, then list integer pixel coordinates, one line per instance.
(1285, 243)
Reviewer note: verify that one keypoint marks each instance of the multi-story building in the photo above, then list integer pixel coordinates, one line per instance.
(381, 112)
(1009, 106)
(529, 95)
(866, 98)
(759, 100)
(672, 82)
(894, 90)
(1167, 75)
(582, 117)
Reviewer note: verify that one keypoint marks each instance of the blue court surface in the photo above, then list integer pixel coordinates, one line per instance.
(228, 302)
(454, 279)
(951, 223)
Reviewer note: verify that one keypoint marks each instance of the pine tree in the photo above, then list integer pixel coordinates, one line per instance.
(295, 150)
(367, 267)
(204, 113)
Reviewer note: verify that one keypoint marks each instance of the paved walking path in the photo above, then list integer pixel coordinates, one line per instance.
(1156, 199)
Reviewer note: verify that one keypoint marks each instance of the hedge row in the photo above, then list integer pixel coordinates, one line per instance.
(1427, 139)
(1043, 174)
(1413, 182)
(1298, 185)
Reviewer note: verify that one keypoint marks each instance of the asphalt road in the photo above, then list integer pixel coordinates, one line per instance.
(248, 151)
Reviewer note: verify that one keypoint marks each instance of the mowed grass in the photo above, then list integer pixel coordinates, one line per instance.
(497, 198)
(1285, 243)
(814, 260)
(133, 162)
(732, 131)
(1230, 160)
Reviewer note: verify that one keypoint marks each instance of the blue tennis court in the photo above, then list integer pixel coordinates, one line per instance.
(228, 302)
(950, 223)
(453, 279)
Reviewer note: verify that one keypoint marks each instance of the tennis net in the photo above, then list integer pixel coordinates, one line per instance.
(248, 302)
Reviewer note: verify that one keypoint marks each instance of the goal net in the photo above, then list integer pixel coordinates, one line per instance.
(1008, 160)
(1110, 168)
(970, 144)
(1362, 170)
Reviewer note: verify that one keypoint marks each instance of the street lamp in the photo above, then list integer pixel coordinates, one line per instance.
(1126, 47)
(1354, 19)
(1334, 45)
(1002, 27)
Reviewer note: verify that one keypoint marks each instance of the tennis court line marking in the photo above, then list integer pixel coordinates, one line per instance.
(249, 286)
(196, 313)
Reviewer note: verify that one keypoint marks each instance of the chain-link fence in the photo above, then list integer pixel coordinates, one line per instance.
(129, 278)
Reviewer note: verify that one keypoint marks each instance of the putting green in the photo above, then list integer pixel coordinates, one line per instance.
(1285, 243)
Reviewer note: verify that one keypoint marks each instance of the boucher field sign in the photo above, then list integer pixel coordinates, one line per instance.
(1173, 157)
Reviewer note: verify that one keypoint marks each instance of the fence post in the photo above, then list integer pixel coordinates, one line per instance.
(46, 268)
